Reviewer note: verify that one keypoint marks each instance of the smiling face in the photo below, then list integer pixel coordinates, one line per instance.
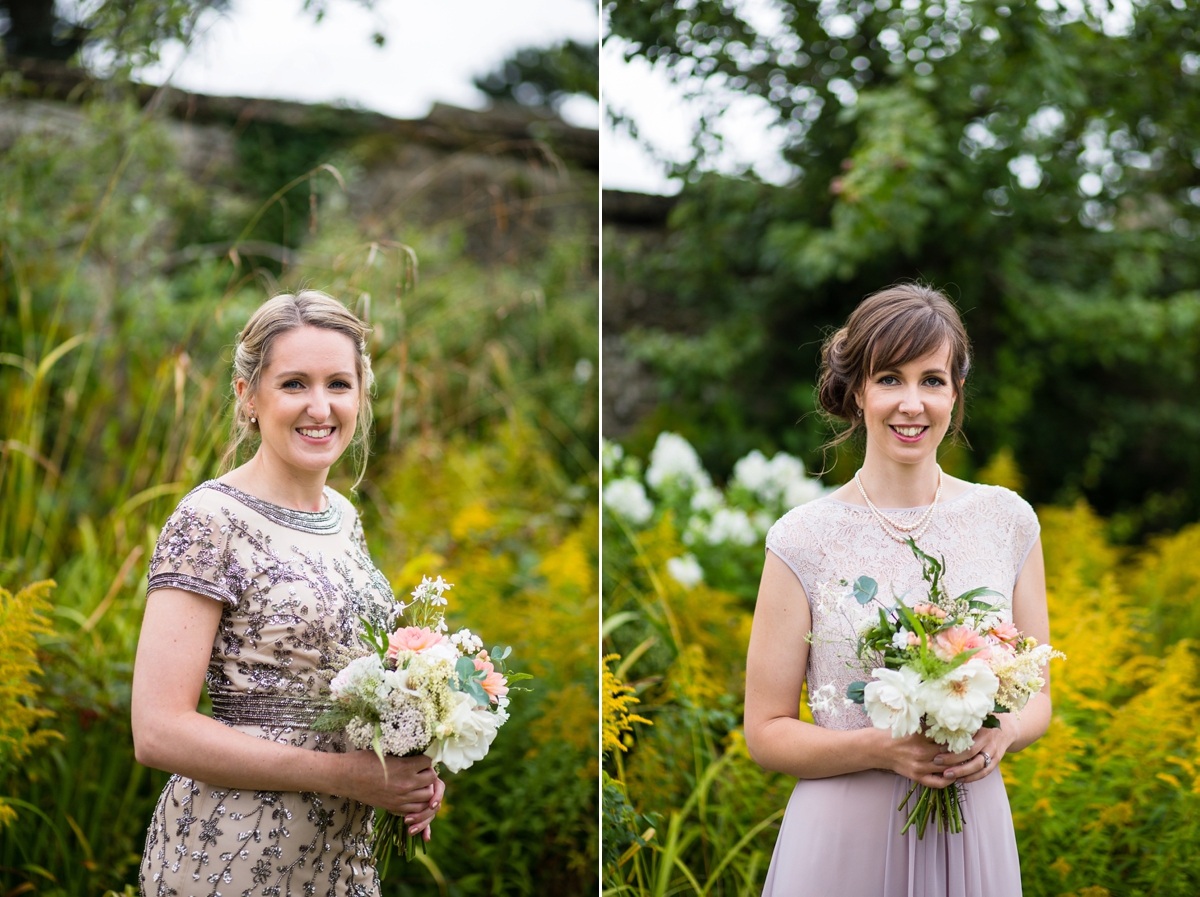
(907, 408)
(307, 398)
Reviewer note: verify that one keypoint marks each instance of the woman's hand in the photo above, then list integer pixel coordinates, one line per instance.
(914, 757)
(981, 759)
(406, 787)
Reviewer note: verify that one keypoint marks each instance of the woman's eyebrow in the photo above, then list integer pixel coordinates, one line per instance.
(305, 374)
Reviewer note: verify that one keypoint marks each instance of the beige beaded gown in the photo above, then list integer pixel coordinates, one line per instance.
(840, 836)
(293, 583)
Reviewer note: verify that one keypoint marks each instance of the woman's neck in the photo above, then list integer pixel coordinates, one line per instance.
(263, 476)
(890, 484)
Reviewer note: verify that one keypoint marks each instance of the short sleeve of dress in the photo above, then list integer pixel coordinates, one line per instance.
(193, 554)
(1026, 529)
(787, 539)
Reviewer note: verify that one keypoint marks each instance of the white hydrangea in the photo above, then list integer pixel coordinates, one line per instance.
(627, 499)
(731, 525)
(779, 480)
(361, 677)
(674, 460)
(707, 498)
(686, 571)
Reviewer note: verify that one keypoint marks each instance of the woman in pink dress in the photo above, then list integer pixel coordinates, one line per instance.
(895, 372)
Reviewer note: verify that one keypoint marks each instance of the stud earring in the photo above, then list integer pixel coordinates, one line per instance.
(253, 419)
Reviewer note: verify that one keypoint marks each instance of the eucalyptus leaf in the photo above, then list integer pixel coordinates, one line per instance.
(856, 692)
(865, 589)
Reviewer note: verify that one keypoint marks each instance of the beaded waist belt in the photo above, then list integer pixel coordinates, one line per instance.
(239, 708)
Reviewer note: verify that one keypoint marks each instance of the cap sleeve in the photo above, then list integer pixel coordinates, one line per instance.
(1026, 530)
(786, 539)
(193, 554)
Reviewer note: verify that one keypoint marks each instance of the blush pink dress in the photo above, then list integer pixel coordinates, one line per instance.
(840, 836)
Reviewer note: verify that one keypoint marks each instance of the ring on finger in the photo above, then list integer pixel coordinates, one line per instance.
(987, 759)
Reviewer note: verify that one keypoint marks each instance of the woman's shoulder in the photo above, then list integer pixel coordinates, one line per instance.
(803, 520)
(1001, 500)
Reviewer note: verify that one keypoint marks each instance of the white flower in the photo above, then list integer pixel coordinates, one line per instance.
(958, 702)
(361, 677)
(955, 740)
(707, 498)
(731, 525)
(900, 640)
(674, 460)
(782, 479)
(822, 700)
(686, 571)
(611, 454)
(892, 700)
(464, 736)
(467, 642)
(627, 499)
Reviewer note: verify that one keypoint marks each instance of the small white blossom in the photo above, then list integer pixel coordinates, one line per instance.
(467, 642)
(823, 699)
(627, 499)
(731, 525)
(900, 640)
(673, 460)
(707, 498)
(611, 454)
(779, 480)
(686, 571)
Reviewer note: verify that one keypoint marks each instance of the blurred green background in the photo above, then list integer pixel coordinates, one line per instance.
(138, 231)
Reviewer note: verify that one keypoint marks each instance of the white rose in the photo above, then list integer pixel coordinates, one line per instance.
(959, 701)
(893, 702)
(464, 736)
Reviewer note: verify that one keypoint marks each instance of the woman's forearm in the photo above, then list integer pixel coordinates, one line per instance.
(199, 747)
(806, 751)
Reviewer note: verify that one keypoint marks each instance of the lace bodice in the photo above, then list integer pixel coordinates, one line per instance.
(984, 535)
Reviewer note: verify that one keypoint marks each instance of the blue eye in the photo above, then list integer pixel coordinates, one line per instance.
(292, 384)
(341, 384)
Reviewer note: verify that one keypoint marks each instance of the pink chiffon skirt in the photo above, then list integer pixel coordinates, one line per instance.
(840, 837)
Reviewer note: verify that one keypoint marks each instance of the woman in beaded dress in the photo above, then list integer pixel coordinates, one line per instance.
(255, 578)
(895, 371)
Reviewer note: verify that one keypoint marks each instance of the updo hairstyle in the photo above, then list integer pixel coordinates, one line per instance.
(888, 329)
(275, 317)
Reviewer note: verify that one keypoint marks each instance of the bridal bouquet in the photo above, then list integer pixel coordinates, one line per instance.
(945, 666)
(418, 690)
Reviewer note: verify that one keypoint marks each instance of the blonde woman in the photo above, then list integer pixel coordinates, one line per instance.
(895, 372)
(256, 576)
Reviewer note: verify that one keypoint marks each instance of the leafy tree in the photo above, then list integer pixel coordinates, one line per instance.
(1038, 160)
(545, 76)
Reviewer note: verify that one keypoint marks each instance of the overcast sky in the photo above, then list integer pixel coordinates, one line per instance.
(272, 49)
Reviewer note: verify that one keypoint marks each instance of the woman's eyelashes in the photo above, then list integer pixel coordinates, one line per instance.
(340, 385)
(893, 380)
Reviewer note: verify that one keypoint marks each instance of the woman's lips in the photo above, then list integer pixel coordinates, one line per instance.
(317, 435)
(908, 433)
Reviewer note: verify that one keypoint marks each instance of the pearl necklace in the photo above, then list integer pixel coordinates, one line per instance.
(902, 532)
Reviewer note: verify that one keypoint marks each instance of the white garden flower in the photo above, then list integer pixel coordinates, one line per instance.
(673, 460)
(731, 525)
(823, 699)
(611, 454)
(707, 498)
(959, 700)
(361, 677)
(893, 700)
(779, 480)
(900, 640)
(752, 472)
(627, 499)
(464, 736)
(686, 571)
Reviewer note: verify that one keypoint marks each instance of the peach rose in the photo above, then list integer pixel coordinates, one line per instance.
(1005, 632)
(493, 683)
(412, 638)
(949, 644)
